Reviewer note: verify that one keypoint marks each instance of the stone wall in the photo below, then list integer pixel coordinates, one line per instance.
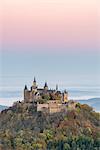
(41, 107)
(52, 107)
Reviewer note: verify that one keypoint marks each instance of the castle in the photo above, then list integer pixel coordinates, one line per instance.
(35, 93)
(45, 98)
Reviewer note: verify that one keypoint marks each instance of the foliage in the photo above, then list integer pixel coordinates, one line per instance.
(46, 96)
(22, 128)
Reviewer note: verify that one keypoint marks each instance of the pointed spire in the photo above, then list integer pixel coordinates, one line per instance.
(45, 84)
(34, 86)
(25, 87)
(34, 79)
(56, 87)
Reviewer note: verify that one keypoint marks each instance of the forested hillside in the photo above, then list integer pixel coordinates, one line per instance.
(23, 128)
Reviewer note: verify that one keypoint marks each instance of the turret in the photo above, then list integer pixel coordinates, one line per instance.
(34, 82)
(34, 86)
(65, 96)
(25, 87)
(56, 87)
(46, 86)
(26, 94)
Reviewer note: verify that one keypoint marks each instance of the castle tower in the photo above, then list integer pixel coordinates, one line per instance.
(65, 96)
(46, 86)
(34, 86)
(26, 94)
(34, 82)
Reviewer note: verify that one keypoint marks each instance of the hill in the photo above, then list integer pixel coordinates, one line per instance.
(23, 128)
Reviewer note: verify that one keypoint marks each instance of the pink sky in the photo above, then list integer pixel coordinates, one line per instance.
(52, 23)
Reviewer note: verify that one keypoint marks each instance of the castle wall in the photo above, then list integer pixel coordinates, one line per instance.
(54, 107)
(51, 106)
(41, 107)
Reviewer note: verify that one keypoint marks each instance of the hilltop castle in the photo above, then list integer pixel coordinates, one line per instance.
(45, 99)
(35, 94)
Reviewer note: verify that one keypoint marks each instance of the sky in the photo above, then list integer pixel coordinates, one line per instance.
(54, 40)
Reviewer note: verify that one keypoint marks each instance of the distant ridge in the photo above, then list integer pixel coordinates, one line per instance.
(93, 102)
(3, 107)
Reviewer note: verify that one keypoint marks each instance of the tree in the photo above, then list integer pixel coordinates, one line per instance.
(66, 146)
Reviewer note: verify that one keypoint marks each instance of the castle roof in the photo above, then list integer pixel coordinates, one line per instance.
(25, 87)
(34, 79)
(45, 84)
